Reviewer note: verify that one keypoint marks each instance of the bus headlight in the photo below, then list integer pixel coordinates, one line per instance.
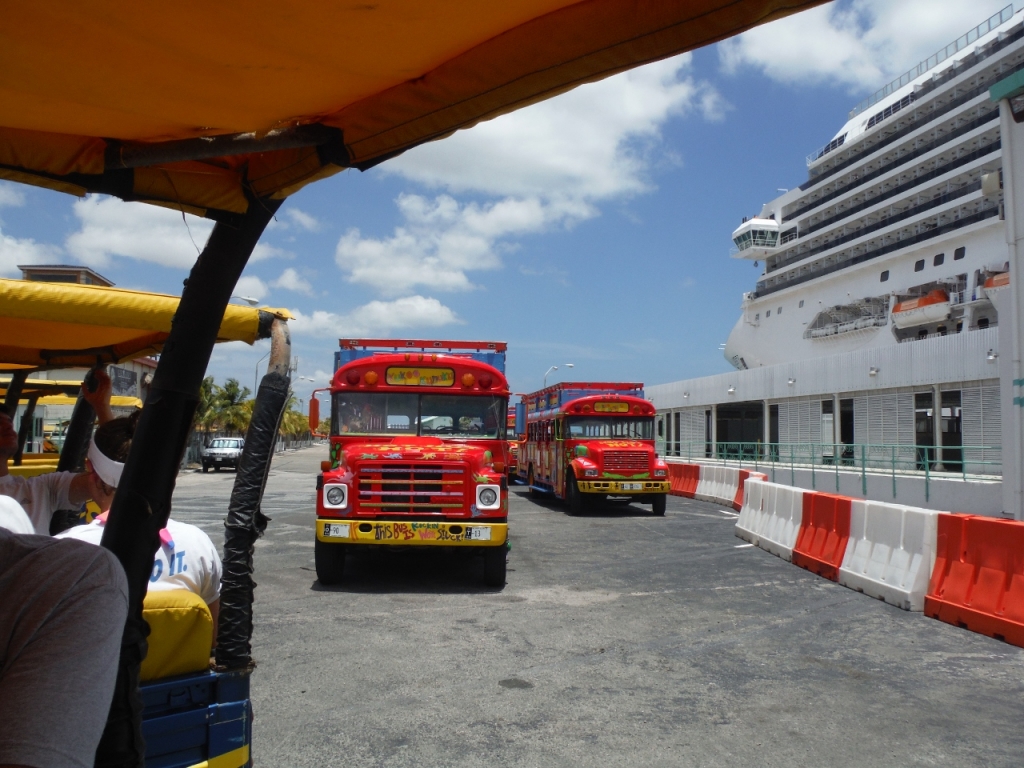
(336, 496)
(660, 472)
(590, 473)
(488, 497)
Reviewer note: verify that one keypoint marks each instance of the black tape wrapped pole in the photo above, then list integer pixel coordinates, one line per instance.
(143, 500)
(76, 438)
(246, 522)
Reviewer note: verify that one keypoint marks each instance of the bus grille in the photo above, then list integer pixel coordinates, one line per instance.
(411, 488)
(619, 461)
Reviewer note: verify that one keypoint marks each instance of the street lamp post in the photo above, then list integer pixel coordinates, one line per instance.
(256, 375)
(248, 300)
(554, 368)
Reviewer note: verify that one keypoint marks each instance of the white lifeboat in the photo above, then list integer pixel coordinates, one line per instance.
(996, 283)
(931, 308)
(755, 238)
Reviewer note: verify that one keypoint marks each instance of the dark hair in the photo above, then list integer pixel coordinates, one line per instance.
(114, 439)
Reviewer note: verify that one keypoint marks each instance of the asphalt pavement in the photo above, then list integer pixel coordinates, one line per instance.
(620, 639)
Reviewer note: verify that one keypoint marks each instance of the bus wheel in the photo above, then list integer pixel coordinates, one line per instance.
(495, 566)
(330, 562)
(534, 493)
(573, 497)
(658, 504)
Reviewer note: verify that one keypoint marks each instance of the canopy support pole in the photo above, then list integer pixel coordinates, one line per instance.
(14, 387)
(246, 521)
(25, 427)
(76, 439)
(143, 500)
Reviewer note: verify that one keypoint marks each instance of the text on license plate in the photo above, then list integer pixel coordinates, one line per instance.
(478, 534)
(632, 486)
(336, 530)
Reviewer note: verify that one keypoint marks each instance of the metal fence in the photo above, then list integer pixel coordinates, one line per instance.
(981, 462)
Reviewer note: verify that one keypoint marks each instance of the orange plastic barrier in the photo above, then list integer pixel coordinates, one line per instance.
(683, 479)
(978, 579)
(824, 533)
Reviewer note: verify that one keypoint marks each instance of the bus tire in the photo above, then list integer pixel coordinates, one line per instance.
(495, 566)
(330, 562)
(573, 497)
(658, 504)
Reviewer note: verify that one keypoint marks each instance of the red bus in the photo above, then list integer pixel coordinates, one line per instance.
(418, 452)
(587, 441)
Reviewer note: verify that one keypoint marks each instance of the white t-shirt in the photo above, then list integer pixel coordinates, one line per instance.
(192, 563)
(13, 517)
(40, 496)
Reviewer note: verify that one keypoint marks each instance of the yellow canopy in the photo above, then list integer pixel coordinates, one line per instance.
(41, 387)
(116, 401)
(191, 103)
(64, 325)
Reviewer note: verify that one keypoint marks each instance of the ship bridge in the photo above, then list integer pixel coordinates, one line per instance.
(755, 238)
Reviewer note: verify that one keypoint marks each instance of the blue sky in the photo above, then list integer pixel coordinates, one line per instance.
(591, 229)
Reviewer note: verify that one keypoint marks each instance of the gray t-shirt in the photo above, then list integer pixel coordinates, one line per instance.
(62, 613)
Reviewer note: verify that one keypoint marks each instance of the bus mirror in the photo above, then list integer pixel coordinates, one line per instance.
(314, 415)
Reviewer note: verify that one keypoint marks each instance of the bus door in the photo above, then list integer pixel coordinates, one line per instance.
(558, 459)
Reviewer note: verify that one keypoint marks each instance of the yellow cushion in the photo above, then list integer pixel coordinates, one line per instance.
(181, 634)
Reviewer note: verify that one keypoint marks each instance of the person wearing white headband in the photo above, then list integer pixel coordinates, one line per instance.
(187, 559)
(43, 495)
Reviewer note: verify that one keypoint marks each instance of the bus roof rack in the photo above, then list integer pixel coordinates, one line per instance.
(425, 345)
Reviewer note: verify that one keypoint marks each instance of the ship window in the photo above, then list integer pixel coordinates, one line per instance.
(959, 253)
(983, 323)
(778, 311)
(919, 266)
(884, 277)
(801, 304)
(757, 317)
(767, 314)
(939, 258)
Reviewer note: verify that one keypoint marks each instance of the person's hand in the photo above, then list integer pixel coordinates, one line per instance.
(100, 399)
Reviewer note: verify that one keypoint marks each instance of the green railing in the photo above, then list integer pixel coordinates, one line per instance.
(827, 459)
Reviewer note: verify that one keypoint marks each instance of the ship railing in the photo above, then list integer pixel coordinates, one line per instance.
(825, 461)
(934, 60)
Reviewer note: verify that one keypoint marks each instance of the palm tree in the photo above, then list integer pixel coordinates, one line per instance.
(232, 411)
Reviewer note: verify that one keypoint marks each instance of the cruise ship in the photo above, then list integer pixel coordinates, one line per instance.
(872, 331)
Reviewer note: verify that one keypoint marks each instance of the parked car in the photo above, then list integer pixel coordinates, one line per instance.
(222, 452)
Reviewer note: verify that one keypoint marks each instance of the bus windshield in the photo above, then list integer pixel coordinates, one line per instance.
(400, 413)
(610, 427)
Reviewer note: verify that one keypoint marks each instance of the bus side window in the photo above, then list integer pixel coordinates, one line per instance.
(558, 429)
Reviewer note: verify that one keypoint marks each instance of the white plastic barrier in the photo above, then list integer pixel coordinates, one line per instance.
(777, 526)
(890, 553)
(718, 484)
(706, 484)
(752, 511)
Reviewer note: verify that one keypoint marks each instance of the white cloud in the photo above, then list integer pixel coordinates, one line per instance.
(548, 165)
(264, 251)
(251, 287)
(861, 44)
(11, 195)
(302, 220)
(290, 280)
(375, 318)
(588, 144)
(15, 251)
(441, 241)
(111, 227)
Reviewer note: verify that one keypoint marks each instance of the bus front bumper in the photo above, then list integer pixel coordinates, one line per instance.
(623, 487)
(412, 533)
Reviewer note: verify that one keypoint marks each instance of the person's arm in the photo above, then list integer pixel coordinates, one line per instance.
(86, 486)
(100, 399)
